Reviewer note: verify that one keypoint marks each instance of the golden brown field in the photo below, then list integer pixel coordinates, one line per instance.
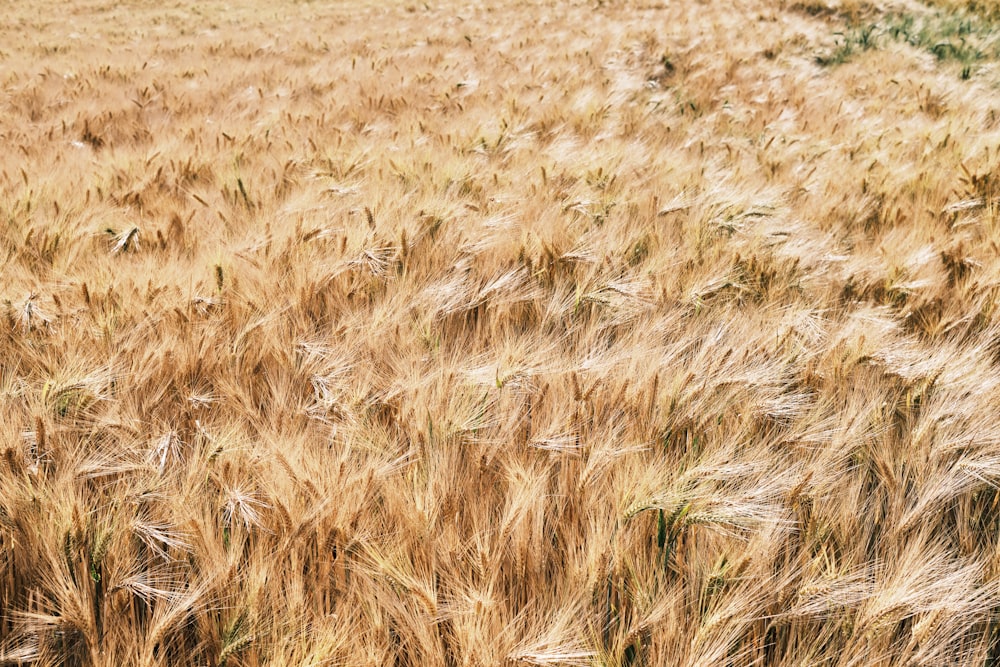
(615, 333)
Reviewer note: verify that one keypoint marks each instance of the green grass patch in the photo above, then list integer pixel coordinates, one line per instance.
(958, 36)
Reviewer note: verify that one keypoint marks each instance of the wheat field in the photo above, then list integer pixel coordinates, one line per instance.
(620, 333)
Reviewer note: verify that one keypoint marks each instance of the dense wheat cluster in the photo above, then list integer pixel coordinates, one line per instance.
(446, 334)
